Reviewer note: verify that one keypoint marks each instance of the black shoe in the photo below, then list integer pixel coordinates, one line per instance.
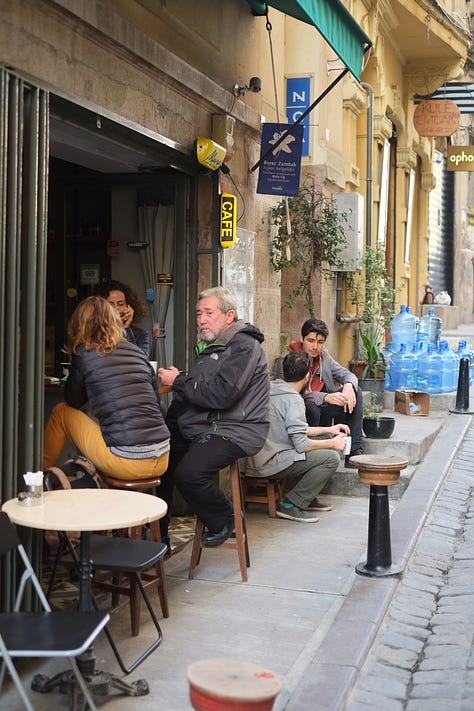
(347, 463)
(217, 539)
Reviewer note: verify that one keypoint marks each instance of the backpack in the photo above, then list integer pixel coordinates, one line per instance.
(76, 473)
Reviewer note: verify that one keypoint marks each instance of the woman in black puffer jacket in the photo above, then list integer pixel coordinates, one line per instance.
(128, 438)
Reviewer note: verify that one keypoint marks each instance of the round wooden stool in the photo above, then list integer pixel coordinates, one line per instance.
(380, 472)
(231, 685)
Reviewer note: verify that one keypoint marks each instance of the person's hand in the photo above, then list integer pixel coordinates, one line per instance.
(349, 394)
(167, 376)
(127, 315)
(339, 442)
(339, 429)
(339, 399)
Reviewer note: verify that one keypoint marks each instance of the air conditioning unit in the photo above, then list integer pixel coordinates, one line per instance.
(352, 205)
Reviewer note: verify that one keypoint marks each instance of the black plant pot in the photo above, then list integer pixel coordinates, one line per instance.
(381, 428)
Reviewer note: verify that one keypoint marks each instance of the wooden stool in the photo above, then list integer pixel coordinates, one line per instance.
(262, 491)
(149, 579)
(380, 472)
(239, 538)
(224, 684)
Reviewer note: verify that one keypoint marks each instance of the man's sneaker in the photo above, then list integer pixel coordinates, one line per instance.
(317, 505)
(296, 514)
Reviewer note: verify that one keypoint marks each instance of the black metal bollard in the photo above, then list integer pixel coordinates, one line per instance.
(379, 550)
(462, 395)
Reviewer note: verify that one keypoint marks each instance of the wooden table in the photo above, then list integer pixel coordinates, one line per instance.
(88, 510)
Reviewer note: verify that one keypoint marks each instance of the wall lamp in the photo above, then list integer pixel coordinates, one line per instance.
(255, 85)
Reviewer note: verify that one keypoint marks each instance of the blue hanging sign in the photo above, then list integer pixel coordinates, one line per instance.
(279, 172)
(297, 101)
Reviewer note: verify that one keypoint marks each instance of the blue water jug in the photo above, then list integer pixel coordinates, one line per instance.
(450, 367)
(464, 352)
(430, 327)
(430, 367)
(403, 369)
(403, 329)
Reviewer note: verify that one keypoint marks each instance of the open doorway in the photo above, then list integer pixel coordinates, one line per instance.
(120, 207)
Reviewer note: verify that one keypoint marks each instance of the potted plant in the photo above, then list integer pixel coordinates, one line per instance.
(375, 425)
(373, 295)
(309, 237)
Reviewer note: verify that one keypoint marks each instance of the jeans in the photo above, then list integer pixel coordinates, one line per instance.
(326, 415)
(67, 422)
(313, 473)
(193, 468)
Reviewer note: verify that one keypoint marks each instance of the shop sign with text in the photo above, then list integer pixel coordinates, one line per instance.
(460, 158)
(438, 117)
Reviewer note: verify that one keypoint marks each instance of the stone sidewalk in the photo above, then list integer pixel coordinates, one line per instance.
(423, 655)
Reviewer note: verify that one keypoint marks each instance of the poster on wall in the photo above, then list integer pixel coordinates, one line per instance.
(279, 172)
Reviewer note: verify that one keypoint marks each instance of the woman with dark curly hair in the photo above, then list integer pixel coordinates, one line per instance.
(132, 310)
(127, 436)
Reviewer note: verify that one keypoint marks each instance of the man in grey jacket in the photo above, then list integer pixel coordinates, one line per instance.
(295, 450)
(333, 393)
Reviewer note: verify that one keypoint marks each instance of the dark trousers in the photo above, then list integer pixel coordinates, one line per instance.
(193, 468)
(326, 415)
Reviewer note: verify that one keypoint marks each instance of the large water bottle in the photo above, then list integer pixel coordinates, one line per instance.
(464, 352)
(403, 369)
(450, 363)
(430, 365)
(430, 327)
(403, 329)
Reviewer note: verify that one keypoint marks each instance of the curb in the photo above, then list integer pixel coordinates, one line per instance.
(329, 678)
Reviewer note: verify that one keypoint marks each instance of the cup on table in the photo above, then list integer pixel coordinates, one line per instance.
(347, 448)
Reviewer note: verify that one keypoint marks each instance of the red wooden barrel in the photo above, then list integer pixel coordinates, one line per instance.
(231, 685)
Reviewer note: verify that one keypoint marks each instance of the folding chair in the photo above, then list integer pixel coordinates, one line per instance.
(119, 556)
(42, 634)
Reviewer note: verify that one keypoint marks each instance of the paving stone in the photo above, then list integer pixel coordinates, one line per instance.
(452, 676)
(437, 658)
(427, 705)
(393, 690)
(397, 641)
(373, 701)
(403, 658)
(435, 691)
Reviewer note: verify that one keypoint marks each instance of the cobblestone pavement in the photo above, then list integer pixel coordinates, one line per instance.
(423, 657)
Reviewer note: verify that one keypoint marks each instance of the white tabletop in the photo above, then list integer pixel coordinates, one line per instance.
(87, 510)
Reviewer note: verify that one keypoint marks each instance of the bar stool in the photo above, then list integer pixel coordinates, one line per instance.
(380, 472)
(262, 491)
(238, 541)
(149, 579)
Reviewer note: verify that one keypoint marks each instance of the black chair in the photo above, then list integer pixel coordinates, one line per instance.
(121, 556)
(42, 634)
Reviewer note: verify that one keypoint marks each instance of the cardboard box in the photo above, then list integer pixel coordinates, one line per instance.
(412, 402)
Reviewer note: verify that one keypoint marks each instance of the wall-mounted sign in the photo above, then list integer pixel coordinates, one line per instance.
(460, 158)
(297, 101)
(164, 279)
(228, 220)
(438, 117)
(279, 172)
(90, 274)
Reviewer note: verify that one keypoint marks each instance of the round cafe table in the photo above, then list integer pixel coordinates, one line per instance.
(87, 511)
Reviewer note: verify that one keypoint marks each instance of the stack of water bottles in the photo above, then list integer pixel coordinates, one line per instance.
(419, 359)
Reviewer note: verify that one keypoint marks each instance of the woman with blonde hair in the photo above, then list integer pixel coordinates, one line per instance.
(128, 437)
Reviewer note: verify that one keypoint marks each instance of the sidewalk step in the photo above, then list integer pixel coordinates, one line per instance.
(411, 439)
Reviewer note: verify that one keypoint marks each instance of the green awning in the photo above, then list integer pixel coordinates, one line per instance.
(332, 20)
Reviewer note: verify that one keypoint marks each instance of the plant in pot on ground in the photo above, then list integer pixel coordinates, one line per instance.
(309, 238)
(376, 426)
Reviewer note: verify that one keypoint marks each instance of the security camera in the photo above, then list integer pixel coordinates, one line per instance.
(255, 84)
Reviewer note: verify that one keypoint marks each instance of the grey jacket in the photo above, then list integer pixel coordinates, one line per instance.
(226, 391)
(331, 372)
(287, 439)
